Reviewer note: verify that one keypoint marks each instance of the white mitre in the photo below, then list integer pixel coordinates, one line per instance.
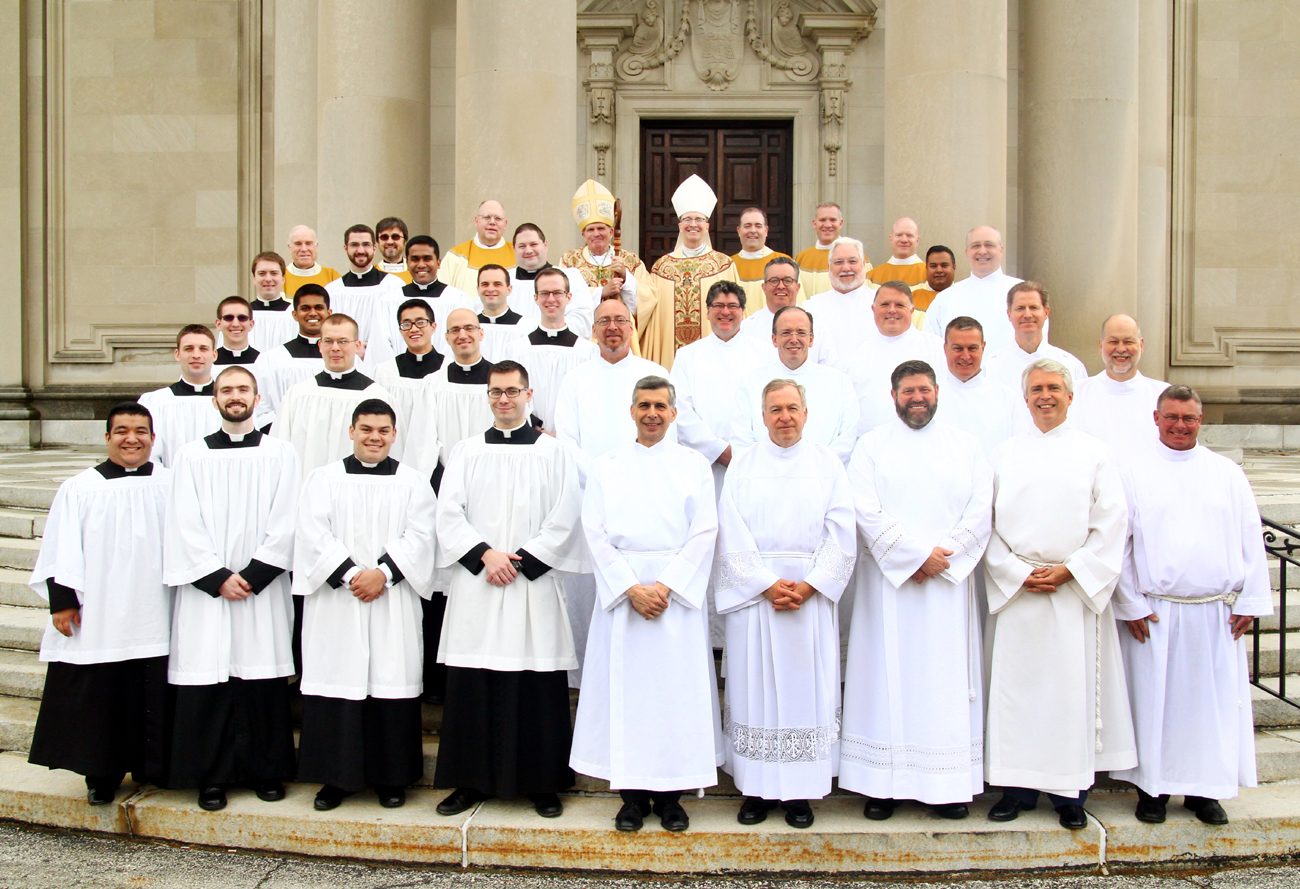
(694, 196)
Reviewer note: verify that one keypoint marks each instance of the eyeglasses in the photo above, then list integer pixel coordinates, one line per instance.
(330, 343)
(605, 322)
(551, 294)
(464, 328)
(393, 237)
(418, 324)
(240, 318)
(693, 220)
(789, 334)
(512, 392)
(493, 218)
(782, 282)
(725, 306)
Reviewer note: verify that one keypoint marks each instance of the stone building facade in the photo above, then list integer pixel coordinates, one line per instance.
(1139, 155)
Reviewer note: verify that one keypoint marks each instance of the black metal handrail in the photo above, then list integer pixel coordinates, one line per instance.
(1281, 542)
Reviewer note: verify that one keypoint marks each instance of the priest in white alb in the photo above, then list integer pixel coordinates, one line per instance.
(648, 714)
(972, 401)
(982, 295)
(1195, 578)
(913, 689)
(783, 563)
(844, 312)
(183, 411)
(507, 522)
(104, 703)
(1115, 405)
(228, 548)
(363, 561)
(891, 341)
(1058, 707)
(1028, 309)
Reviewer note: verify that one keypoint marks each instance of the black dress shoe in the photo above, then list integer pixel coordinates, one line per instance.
(1207, 810)
(1150, 809)
(212, 798)
(951, 811)
(269, 791)
(798, 813)
(459, 800)
(1072, 817)
(328, 797)
(754, 810)
(629, 818)
(1008, 809)
(879, 809)
(100, 794)
(391, 797)
(547, 805)
(673, 817)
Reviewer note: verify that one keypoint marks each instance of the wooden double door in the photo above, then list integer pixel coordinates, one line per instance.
(747, 163)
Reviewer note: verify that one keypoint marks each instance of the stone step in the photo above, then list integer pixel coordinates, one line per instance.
(17, 720)
(18, 553)
(22, 628)
(15, 591)
(501, 833)
(1270, 654)
(29, 495)
(25, 523)
(1270, 712)
(21, 674)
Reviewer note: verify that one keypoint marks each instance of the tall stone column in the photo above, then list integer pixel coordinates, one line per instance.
(16, 426)
(1079, 163)
(293, 120)
(946, 116)
(372, 139)
(516, 113)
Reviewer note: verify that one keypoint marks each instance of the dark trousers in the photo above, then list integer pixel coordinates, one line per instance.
(1029, 798)
(644, 798)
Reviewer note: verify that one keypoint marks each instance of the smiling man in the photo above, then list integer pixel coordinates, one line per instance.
(391, 234)
(972, 401)
(754, 254)
(814, 262)
(1027, 308)
(982, 295)
(892, 341)
(1058, 706)
(501, 324)
(461, 264)
(593, 211)
(183, 412)
(271, 307)
(903, 263)
(1115, 405)
(297, 358)
(368, 294)
(532, 255)
(303, 267)
(845, 312)
(940, 269)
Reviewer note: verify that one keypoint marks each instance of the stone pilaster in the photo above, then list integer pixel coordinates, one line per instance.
(15, 412)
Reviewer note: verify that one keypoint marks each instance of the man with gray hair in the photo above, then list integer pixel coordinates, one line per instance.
(648, 716)
(982, 295)
(1058, 707)
(845, 310)
(1116, 404)
(1195, 577)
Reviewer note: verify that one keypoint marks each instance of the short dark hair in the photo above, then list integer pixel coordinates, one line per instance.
(724, 287)
(359, 227)
(238, 300)
(415, 303)
(527, 227)
(781, 311)
(781, 260)
(374, 407)
(507, 367)
(311, 290)
(939, 248)
(127, 409)
(423, 241)
(911, 369)
(963, 322)
(552, 270)
(759, 210)
(392, 222)
(897, 287)
(201, 329)
(337, 318)
(1027, 287)
(236, 368)
(1178, 392)
(491, 266)
(267, 256)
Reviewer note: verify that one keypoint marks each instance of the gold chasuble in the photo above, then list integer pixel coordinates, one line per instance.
(295, 277)
(460, 266)
(922, 296)
(911, 274)
(670, 311)
(598, 275)
(750, 273)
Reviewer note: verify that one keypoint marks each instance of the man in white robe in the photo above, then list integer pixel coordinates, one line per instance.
(1115, 405)
(422, 261)
(780, 289)
(913, 690)
(104, 703)
(845, 310)
(648, 714)
(982, 295)
(891, 341)
(1028, 309)
(363, 560)
(183, 412)
(235, 324)
(1195, 577)
(315, 412)
(270, 307)
(832, 403)
(507, 521)
(531, 254)
(783, 563)
(462, 262)
(454, 403)
(551, 349)
(403, 374)
(972, 401)
(228, 547)
(1058, 708)
(296, 359)
(814, 262)
(501, 324)
(368, 295)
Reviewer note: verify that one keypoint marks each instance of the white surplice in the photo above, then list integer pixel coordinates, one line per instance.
(408, 400)
(454, 406)
(179, 417)
(498, 336)
(648, 714)
(1119, 412)
(985, 300)
(874, 361)
(785, 513)
(272, 324)
(842, 321)
(981, 407)
(316, 413)
(353, 649)
(374, 307)
(548, 356)
(913, 688)
(1195, 557)
(101, 540)
(230, 506)
(832, 406)
(280, 367)
(1058, 708)
(509, 497)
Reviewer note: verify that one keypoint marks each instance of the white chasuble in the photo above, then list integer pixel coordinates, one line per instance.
(648, 713)
(1195, 557)
(913, 690)
(1058, 708)
(232, 504)
(782, 716)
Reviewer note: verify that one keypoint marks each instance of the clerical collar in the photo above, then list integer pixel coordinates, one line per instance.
(911, 260)
(472, 374)
(692, 252)
(182, 388)
(279, 304)
(522, 274)
(433, 289)
(523, 434)
(369, 278)
(416, 367)
(222, 440)
(392, 268)
(303, 347)
(509, 316)
(821, 246)
(546, 336)
(110, 470)
(352, 380)
(305, 273)
(353, 466)
(757, 254)
(499, 244)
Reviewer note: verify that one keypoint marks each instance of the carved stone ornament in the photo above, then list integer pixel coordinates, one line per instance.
(717, 41)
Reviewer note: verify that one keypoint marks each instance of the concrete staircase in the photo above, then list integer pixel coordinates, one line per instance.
(1265, 820)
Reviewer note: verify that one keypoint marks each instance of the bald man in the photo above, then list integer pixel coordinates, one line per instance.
(1116, 404)
(489, 245)
(982, 296)
(903, 263)
(303, 267)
